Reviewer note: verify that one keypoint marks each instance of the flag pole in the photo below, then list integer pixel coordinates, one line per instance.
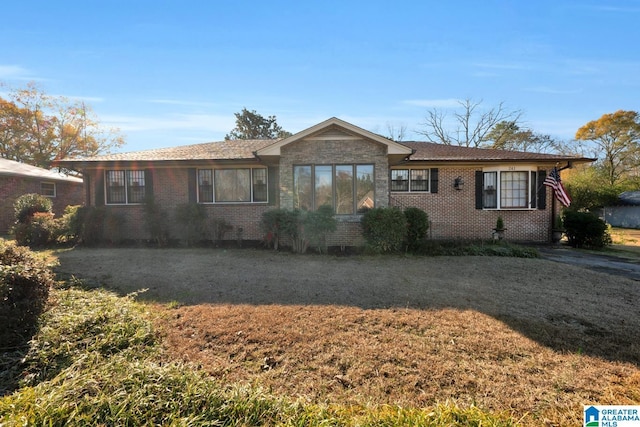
(553, 212)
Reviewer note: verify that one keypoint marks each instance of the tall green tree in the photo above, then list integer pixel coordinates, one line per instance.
(37, 128)
(616, 138)
(251, 125)
(508, 135)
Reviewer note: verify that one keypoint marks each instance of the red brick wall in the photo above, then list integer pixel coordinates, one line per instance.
(452, 213)
(169, 191)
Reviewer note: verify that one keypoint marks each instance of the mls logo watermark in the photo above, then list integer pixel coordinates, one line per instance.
(611, 416)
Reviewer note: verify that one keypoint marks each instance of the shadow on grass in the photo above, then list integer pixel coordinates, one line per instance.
(12, 354)
(566, 308)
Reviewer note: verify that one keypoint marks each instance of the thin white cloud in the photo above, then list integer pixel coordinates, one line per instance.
(553, 91)
(81, 98)
(501, 65)
(183, 103)
(16, 72)
(433, 103)
(208, 123)
(615, 9)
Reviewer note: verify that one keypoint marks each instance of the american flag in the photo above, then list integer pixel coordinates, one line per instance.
(553, 180)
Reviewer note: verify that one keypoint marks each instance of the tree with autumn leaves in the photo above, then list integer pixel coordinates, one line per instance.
(37, 128)
(616, 137)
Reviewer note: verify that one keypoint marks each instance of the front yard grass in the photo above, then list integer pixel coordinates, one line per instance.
(263, 338)
(96, 361)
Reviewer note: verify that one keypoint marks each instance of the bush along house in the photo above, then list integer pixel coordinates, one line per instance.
(463, 190)
(17, 179)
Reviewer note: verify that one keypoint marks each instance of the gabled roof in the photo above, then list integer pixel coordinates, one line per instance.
(252, 150)
(429, 151)
(13, 168)
(335, 124)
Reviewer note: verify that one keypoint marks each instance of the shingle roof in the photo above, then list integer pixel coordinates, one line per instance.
(13, 168)
(429, 151)
(245, 149)
(222, 150)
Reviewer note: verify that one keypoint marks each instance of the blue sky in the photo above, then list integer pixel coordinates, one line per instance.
(170, 73)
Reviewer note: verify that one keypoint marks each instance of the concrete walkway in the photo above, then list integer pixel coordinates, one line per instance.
(605, 263)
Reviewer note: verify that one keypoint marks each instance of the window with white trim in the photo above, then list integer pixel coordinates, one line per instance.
(48, 189)
(125, 187)
(410, 180)
(348, 188)
(509, 189)
(238, 185)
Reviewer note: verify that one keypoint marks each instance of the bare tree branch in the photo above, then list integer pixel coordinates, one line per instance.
(469, 125)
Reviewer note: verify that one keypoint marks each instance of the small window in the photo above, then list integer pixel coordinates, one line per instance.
(411, 180)
(419, 179)
(205, 186)
(125, 187)
(400, 180)
(48, 189)
(490, 190)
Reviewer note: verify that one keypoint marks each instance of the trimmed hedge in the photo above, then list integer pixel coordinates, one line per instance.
(417, 227)
(585, 229)
(384, 229)
(28, 204)
(25, 280)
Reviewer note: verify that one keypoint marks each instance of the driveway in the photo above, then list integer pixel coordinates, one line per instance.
(605, 263)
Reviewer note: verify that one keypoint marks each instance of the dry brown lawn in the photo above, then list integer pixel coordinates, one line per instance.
(531, 337)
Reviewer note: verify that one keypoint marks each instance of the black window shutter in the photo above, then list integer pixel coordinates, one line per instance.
(99, 187)
(533, 190)
(434, 180)
(192, 185)
(273, 179)
(148, 183)
(542, 190)
(87, 188)
(479, 187)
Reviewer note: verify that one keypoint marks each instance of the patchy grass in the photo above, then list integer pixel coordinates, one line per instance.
(625, 236)
(305, 340)
(406, 357)
(115, 374)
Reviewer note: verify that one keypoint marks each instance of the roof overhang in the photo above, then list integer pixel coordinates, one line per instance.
(393, 148)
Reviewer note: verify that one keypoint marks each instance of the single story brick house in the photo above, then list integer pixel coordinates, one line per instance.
(18, 178)
(463, 190)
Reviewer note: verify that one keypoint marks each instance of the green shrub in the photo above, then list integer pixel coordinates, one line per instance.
(34, 220)
(220, 227)
(278, 224)
(28, 204)
(25, 279)
(192, 219)
(384, 229)
(301, 228)
(90, 223)
(417, 227)
(156, 222)
(317, 225)
(69, 226)
(474, 248)
(585, 229)
(38, 231)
